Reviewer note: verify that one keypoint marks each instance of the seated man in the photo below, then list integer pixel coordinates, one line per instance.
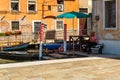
(93, 41)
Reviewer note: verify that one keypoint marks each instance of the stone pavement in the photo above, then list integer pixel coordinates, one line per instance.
(93, 68)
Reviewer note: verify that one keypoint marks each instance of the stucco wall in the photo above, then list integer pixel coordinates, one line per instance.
(98, 26)
(26, 24)
(111, 47)
(68, 6)
(86, 4)
(110, 38)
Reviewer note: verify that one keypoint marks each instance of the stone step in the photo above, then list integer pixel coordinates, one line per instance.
(73, 54)
(57, 56)
(47, 58)
(67, 53)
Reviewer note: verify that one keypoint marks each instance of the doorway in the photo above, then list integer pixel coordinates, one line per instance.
(83, 22)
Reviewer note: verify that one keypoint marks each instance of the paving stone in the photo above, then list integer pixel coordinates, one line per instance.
(1, 74)
(87, 69)
(19, 78)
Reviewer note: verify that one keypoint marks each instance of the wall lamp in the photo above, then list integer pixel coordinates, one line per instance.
(97, 18)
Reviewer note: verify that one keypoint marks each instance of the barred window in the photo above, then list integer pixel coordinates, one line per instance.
(59, 24)
(31, 5)
(110, 13)
(15, 5)
(15, 25)
(36, 26)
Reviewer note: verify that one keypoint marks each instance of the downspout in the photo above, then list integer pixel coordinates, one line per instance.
(43, 9)
(96, 19)
(95, 16)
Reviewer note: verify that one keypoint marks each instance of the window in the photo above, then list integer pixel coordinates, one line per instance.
(49, 7)
(84, 10)
(15, 5)
(15, 25)
(59, 24)
(36, 26)
(60, 1)
(31, 5)
(110, 13)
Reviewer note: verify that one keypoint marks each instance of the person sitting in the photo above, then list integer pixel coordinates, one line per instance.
(93, 41)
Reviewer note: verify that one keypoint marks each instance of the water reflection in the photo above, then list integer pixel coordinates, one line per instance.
(14, 52)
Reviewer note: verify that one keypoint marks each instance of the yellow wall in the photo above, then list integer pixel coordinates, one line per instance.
(68, 6)
(9, 16)
(86, 4)
(26, 24)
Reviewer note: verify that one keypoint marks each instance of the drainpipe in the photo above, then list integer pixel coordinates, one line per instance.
(43, 9)
(95, 16)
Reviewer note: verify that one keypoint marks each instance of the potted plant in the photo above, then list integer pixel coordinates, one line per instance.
(16, 32)
(8, 33)
(2, 34)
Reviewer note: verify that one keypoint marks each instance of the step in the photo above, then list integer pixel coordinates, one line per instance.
(67, 53)
(57, 56)
(47, 58)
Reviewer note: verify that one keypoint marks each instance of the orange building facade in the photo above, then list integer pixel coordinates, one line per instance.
(27, 16)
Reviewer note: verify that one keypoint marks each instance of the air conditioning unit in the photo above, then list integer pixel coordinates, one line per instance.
(60, 7)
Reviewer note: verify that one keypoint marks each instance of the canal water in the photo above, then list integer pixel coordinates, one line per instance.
(32, 53)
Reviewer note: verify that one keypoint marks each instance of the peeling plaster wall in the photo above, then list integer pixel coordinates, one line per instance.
(110, 38)
(98, 25)
(42, 11)
(4, 26)
(5, 11)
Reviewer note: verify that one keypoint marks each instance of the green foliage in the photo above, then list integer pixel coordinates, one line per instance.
(9, 33)
(2, 34)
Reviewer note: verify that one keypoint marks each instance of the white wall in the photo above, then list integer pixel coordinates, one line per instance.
(111, 46)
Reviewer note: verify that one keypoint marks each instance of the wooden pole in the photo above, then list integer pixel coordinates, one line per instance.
(41, 40)
(65, 37)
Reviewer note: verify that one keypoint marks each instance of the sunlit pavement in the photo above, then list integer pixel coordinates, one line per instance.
(90, 68)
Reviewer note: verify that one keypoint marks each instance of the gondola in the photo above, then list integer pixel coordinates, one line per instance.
(21, 46)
